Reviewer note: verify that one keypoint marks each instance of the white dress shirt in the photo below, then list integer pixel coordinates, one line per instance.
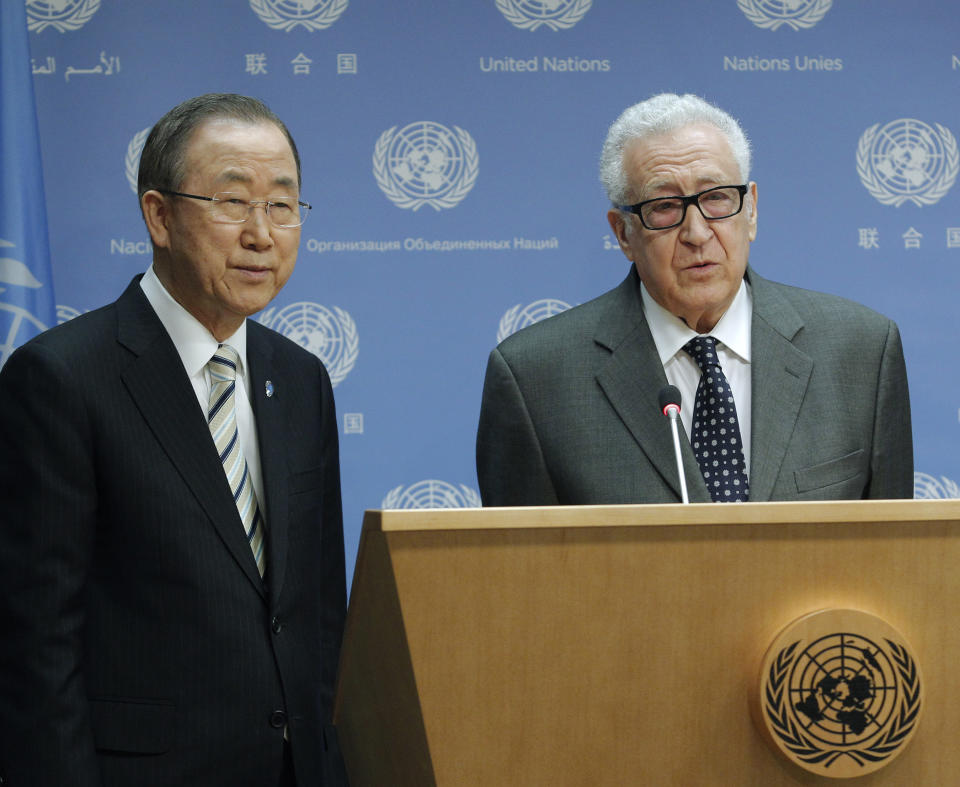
(196, 346)
(732, 333)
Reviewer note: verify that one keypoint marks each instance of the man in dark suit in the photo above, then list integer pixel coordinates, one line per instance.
(816, 384)
(172, 586)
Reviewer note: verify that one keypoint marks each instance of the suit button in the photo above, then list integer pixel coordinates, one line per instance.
(278, 719)
(275, 625)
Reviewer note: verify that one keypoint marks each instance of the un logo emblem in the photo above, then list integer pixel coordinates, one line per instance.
(62, 15)
(521, 316)
(432, 494)
(330, 334)
(907, 160)
(926, 487)
(554, 14)
(840, 693)
(289, 14)
(425, 163)
(17, 325)
(771, 14)
(131, 162)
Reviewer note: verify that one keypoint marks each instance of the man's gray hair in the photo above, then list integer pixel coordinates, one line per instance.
(658, 115)
(163, 162)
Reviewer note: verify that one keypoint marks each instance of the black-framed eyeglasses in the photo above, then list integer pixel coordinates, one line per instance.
(227, 207)
(662, 213)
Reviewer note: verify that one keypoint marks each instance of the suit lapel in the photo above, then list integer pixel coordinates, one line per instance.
(780, 374)
(162, 392)
(632, 378)
(272, 432)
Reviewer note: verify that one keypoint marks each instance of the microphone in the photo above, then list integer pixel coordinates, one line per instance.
(670, 406)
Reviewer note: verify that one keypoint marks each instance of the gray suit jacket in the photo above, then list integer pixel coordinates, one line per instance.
(570, 409)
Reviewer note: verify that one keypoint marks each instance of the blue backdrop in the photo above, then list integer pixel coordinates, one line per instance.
(450, 151)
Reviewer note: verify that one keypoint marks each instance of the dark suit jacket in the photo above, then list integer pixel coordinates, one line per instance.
(570, 409)
(140, 645)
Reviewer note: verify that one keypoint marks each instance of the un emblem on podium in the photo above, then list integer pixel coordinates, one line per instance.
(840, 693)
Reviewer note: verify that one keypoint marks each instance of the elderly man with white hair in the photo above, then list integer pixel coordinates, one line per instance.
(787, 394)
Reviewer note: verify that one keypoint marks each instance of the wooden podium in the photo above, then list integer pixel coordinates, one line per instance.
(620, 645)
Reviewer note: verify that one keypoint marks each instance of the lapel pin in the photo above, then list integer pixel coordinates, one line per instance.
(268, 388)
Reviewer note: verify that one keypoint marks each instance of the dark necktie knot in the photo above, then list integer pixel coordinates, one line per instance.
(703, 349)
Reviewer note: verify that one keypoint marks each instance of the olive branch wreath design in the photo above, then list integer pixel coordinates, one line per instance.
(752, 10)
(807, 750)
(78, 17)
(321, 21)
(570, 16)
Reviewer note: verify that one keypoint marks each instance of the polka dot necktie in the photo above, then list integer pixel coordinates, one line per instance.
(222, 420)
(716, 437)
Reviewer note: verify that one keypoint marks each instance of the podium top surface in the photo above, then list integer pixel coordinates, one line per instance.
(814, 512)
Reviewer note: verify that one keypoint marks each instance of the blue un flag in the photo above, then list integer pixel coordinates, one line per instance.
(27, 305)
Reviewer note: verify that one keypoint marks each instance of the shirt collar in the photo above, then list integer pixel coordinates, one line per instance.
(670, 333)
(194, 343)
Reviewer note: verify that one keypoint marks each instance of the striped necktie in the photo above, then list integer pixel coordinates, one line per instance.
(222, 420)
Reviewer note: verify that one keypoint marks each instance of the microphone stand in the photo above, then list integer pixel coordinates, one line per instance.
(673, 413)
(670, 407)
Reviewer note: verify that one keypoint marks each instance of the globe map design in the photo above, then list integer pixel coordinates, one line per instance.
(907, 155)
(314, 328)
(844, 689)
(540, 310)
(432, 493)
(783, 8)
(52, 9)
(297, 8)
(425, 159)
(542, 9)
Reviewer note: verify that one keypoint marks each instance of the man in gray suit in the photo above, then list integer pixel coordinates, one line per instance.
(570, 411)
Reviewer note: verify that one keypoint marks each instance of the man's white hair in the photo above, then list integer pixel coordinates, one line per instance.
(659, 115)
